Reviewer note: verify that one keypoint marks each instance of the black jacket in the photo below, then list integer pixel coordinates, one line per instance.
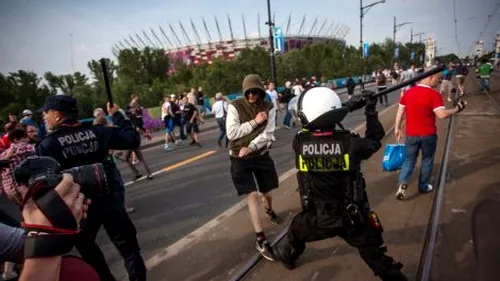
(74, 144)
(330, 186)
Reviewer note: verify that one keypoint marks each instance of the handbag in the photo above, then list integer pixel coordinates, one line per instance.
(394, 157)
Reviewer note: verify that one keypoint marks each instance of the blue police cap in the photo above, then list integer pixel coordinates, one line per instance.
(62, 103)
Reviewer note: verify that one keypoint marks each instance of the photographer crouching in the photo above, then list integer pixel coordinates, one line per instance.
(73, 144)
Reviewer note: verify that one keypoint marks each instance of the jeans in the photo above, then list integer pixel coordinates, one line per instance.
(484, 84)
(414, 145)
(288, 116)
(222, 128)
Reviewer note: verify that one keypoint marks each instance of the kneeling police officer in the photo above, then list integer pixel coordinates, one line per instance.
(74, 144)
(331, 184)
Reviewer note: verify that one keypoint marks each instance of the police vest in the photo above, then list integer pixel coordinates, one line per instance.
(324, 152)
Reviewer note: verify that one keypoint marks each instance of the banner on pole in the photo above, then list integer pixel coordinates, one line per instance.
(412, 56)
(279, 40)
(366, 49)
(396, 52)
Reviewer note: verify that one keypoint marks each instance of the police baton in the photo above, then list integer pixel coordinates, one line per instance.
(415, 79)
(104, 68)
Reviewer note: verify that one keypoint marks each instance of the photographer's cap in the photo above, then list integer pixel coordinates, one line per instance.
(62, 103)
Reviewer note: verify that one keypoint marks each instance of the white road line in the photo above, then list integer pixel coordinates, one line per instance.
(174, 249)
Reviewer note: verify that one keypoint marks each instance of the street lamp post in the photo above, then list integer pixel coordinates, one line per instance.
(395, 26)
(411, 41)
(362, 12)
(271, 42)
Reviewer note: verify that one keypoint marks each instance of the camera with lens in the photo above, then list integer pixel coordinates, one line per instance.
(44, 173)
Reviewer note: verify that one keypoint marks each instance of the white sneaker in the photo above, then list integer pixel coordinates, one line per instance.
(429, 189)
(400, 194)
(273, 138)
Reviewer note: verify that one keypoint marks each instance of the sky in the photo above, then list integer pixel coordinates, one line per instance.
(36, 34)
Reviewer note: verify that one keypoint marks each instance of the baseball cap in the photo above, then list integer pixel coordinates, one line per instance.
(27, 112)
(60, 103)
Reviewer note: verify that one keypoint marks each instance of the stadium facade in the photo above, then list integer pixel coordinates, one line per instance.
(186, 44)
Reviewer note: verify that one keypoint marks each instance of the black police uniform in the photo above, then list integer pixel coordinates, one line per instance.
(333, 196)
(74, 144)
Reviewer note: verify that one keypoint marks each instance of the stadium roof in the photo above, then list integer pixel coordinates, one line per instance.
(190, 36)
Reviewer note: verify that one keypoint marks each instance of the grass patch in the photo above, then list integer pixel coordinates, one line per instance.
(155, 112)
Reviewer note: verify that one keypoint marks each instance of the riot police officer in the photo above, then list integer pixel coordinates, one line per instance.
(331, 184)
(73, 144)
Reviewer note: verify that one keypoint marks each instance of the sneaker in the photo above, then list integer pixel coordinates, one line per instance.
(197, 144)
(287, 127)
(168, 148)
(427, 189)
(129, 210)
(192, 143)
(135, 162)
(150, 177)
(138, 176)
(449, 99)
(273, 138)
(273, 217)
(265, 249)
(400, 195)
(219, 143)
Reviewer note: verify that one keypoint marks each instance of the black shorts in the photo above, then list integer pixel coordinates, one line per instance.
(192, 127)
(261, 167)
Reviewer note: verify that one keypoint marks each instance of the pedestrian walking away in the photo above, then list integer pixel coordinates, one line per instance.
(190, 115)
(250, 127)
(446, 83)
(331, 183)
(421, 104)
(382, 85)
(219, 110)
(461, 73)
(73, 144)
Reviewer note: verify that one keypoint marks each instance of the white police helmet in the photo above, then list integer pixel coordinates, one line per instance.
(319, 107)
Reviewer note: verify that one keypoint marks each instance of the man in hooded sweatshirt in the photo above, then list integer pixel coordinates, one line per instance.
(250, 125)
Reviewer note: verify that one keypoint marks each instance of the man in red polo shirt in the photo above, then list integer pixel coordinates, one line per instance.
(421, 104)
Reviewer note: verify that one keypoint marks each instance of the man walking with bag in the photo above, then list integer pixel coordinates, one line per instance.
(421, 104)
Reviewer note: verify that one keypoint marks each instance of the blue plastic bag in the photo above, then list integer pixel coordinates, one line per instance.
(394, 157)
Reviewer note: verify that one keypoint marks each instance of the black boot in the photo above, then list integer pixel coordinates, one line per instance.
(287, 255)
(393, 275)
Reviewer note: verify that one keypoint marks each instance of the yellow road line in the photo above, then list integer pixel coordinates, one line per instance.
(187, 161)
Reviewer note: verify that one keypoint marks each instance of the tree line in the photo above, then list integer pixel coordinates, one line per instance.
(146, 73)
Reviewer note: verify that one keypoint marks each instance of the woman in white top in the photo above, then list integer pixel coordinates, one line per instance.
(219, 109)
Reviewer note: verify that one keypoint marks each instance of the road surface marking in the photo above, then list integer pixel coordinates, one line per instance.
(187, 161)
(176, 165)
(174, 249)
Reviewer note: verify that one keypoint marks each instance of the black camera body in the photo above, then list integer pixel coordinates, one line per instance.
(41, 169)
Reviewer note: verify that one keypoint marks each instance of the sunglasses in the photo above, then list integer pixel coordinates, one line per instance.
(254, 93)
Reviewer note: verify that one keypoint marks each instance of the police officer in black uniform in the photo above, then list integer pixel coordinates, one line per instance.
(73, 144)
(331, 184)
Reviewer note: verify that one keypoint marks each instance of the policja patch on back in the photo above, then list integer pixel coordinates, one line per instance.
(324, 152)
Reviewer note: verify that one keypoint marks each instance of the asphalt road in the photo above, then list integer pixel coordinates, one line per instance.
(180, 200)
(195, 188)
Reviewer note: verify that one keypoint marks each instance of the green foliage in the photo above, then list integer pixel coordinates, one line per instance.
(146, 74)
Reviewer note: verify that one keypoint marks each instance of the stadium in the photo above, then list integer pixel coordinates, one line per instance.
(199, 44)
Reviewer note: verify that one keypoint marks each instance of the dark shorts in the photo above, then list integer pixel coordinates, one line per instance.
(192, 127)
(246, 172)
